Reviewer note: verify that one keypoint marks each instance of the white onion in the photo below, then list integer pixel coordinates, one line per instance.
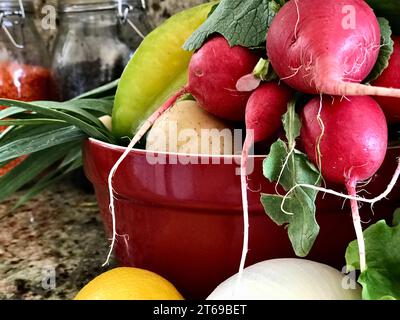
(289, 279)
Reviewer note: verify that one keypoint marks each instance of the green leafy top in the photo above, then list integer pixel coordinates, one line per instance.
(385, 51)
(291, 167)
(50, 134)
(263, 71)
(241, 22)
(381, 279)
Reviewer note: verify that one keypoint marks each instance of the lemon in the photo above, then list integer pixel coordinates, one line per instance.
(129, 284)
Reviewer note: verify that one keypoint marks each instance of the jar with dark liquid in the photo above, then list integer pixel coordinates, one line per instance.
(92, 46)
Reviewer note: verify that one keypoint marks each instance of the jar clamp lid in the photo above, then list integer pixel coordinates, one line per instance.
(14, 8)
(123, 15)
(123, 8)
(67, 6)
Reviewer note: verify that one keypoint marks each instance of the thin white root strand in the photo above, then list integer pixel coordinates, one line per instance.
(319, 140)
(245, 248)
(365, 183)
(298, 19)
(292, 75)
(139, 134)
(245, 205)
(357, 226)
(343, 203)
(363, 191)
(343, 88)
(292, 148)
(354, 207)
(371, 201)
(111, 195)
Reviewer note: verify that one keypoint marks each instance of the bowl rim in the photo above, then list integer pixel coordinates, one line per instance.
(143, 152)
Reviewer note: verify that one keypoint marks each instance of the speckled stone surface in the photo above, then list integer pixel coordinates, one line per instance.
(59, 232)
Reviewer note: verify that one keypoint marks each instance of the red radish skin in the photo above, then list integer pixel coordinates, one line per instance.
(213, 73)
(315, 49)
(352, 147)
(264, 111)
(391, 78)
(265, 108)
(355, 137)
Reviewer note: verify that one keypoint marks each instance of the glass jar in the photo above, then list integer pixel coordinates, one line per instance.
(24, 70)
(92, 46)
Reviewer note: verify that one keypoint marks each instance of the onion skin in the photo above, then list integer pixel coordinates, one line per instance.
(289, 279)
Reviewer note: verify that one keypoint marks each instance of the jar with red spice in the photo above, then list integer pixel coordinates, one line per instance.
(24, 70)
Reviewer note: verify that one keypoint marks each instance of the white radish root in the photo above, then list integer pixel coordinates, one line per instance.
(371, 201)
(245, 205)
(139, 134)
(351, 189)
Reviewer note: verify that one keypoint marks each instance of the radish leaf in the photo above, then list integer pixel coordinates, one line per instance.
(241, 22)
(385, 51)
(302, 225)
(263, 70)
(291, 124)
(396, 217)
(300, 204)
(381, 279)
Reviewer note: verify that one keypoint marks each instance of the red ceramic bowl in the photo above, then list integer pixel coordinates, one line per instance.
(184, 222)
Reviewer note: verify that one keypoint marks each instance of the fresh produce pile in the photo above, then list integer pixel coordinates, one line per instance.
(322, 82)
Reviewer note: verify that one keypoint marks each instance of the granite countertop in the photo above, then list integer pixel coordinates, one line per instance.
(52, 246)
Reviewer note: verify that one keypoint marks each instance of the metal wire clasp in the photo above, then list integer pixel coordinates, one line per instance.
(123, 15)
(3, 15)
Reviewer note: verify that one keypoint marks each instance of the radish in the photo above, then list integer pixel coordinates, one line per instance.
(213, 73)
(391, 78)
(265, 108)
(264, 111)
(349, 148)
(329, 47)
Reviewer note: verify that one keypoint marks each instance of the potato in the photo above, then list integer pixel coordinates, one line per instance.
(107, 121)
(188, 128)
